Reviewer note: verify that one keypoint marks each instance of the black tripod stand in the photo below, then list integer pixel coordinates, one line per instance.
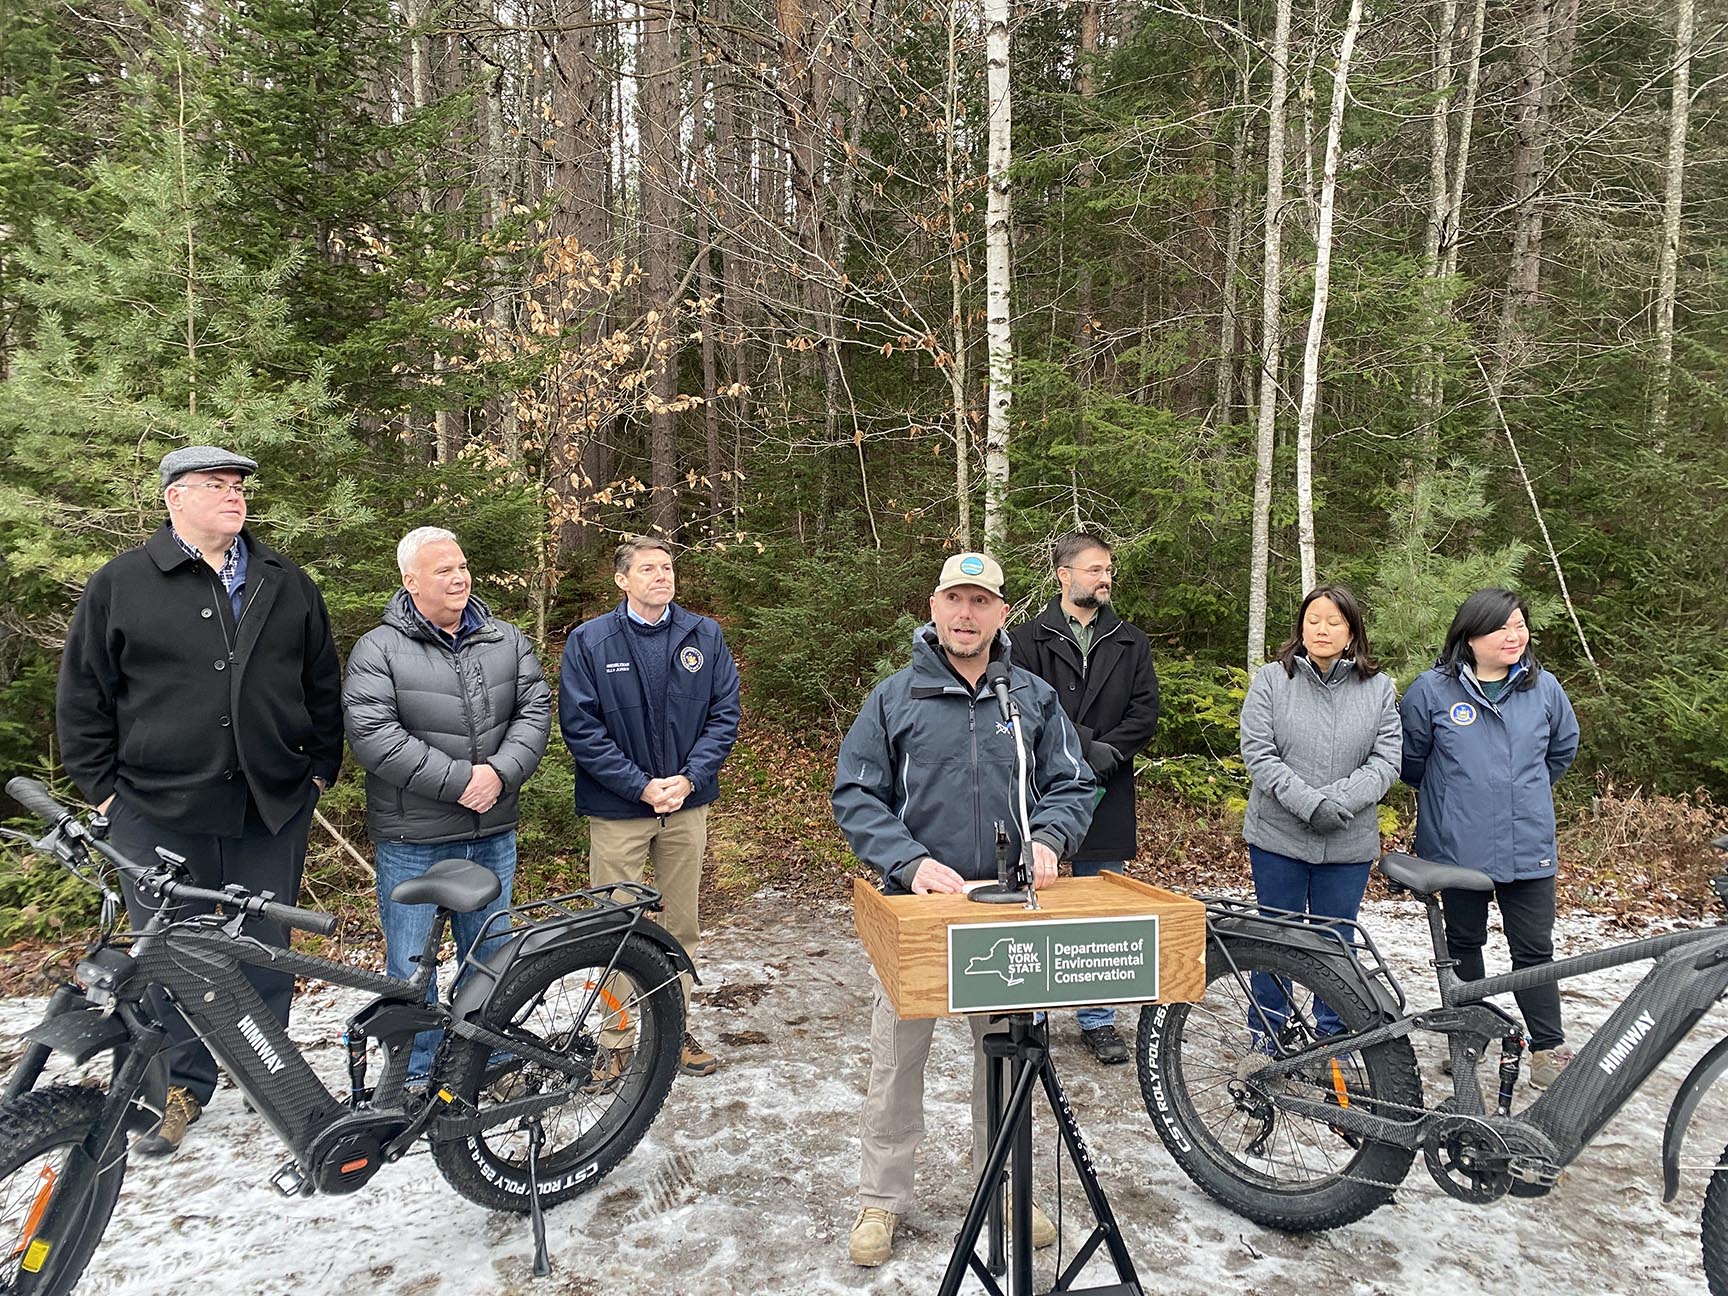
(1027, 1048)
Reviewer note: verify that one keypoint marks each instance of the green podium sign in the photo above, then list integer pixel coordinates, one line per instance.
(1052, 963)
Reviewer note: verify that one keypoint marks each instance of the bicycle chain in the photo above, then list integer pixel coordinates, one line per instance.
(1388, 1106)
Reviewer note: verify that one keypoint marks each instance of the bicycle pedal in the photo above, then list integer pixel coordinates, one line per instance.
(289, 1180)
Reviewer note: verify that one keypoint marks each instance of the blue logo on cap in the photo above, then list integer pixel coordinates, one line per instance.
(972, 565)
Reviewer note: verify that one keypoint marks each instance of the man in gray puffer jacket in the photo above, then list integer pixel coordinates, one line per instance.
(448, 712)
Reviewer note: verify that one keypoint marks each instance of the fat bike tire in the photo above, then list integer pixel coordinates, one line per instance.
(621, 1023)
(1197, 1065)
(38, 1132)
(1715, 1228)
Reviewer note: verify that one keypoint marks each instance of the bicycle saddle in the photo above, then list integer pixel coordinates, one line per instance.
(1425, 877)
(459, 885)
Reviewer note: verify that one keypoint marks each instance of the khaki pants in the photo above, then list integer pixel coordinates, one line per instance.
(892, 1125)
(620, 849)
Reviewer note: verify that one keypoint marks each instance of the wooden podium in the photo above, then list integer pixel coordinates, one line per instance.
(908, 939)
(1106, 939)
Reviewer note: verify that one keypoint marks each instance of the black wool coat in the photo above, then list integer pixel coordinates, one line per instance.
(1111, 696)
(164, 698)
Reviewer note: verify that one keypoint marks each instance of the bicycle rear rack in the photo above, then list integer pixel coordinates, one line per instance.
(1350, 938)
(620, 905)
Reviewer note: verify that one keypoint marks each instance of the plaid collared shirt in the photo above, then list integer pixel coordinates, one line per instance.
(233, 569)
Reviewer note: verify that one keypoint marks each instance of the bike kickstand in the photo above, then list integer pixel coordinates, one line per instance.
(536, 1219)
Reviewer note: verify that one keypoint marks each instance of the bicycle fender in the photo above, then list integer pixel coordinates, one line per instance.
(1245, 928)
(1686, 1101)
(475, 992)
(80, 1034)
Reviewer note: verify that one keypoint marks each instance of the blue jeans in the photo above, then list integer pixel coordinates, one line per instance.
(1331, 890)
(406, 927)
(1092, 1018)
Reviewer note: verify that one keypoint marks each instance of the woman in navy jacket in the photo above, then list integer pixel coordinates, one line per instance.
(1487, 732)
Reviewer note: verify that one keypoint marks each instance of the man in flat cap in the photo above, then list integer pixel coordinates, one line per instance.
(199, 708)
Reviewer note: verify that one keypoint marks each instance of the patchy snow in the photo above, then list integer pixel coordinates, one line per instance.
(746, 1183)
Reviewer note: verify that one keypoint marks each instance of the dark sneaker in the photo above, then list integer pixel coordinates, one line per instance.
(1103, 1043)
(179, 1112)
(695, 1060)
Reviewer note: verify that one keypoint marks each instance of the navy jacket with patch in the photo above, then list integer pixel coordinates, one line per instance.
(927, 769)
(603, 713)
(1484, 771)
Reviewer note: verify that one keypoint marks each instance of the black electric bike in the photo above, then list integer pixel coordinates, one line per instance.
(1291, 1093)
(560, 1044)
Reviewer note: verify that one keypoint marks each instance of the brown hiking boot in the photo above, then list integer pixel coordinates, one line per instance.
(180, 1111)
(872, 1239)
(1547, 1064)
(609, 1068)
(696, 1060)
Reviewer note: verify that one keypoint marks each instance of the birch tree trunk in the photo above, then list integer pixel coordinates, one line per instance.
(1317, 314)
(1270, 293)
(1667, 274)
(1428, 378)
(956, 291)
(997, 249)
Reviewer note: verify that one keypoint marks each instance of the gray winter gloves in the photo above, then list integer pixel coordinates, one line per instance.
(1329, 817)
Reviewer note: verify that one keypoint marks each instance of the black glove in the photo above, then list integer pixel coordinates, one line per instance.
(1103, 758)
(1329, 817)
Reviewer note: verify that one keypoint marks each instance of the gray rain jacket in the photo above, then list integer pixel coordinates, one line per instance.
(420, 717)
(1305, 739)
(927, 769)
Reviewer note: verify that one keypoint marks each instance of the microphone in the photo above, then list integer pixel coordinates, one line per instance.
(996, 676)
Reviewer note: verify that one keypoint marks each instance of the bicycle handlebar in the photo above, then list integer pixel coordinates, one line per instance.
(319, 924)
(37, 799)
(185, 893)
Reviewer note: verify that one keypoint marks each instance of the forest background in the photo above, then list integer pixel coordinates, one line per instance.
(1420, 297)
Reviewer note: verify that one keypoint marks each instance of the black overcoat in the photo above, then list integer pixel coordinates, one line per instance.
(1112, 697)
(165, 698)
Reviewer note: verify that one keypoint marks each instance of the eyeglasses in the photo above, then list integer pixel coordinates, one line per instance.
(1093, 572)
(219, 489)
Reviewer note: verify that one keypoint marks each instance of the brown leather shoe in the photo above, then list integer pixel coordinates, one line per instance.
(696, 1060)
(178, 1113)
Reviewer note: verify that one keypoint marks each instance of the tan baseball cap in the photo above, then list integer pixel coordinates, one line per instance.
(971, 569)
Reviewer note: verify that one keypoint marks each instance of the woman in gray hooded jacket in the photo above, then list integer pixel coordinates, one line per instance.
(1322, 740)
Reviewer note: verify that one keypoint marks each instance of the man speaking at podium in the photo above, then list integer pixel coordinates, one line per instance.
(925, 775)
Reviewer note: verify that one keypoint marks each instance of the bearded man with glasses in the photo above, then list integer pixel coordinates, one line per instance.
(1101, 669)
(199, 708)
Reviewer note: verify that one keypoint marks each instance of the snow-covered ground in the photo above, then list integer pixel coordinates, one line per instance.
(746, 1183)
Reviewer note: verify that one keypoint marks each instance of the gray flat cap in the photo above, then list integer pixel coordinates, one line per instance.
(177, 463)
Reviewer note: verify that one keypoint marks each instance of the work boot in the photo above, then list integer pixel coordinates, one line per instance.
(873, 1236)
(180, 1111)
(698, 1061)
(609, 1068)
(1105, 1044)
(1043, 1227)
(1547, 1064)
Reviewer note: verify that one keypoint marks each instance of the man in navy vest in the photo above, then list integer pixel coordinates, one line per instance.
(648, 703)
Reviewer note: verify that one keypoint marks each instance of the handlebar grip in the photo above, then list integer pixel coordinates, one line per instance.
(37, 799)
(318, 924)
